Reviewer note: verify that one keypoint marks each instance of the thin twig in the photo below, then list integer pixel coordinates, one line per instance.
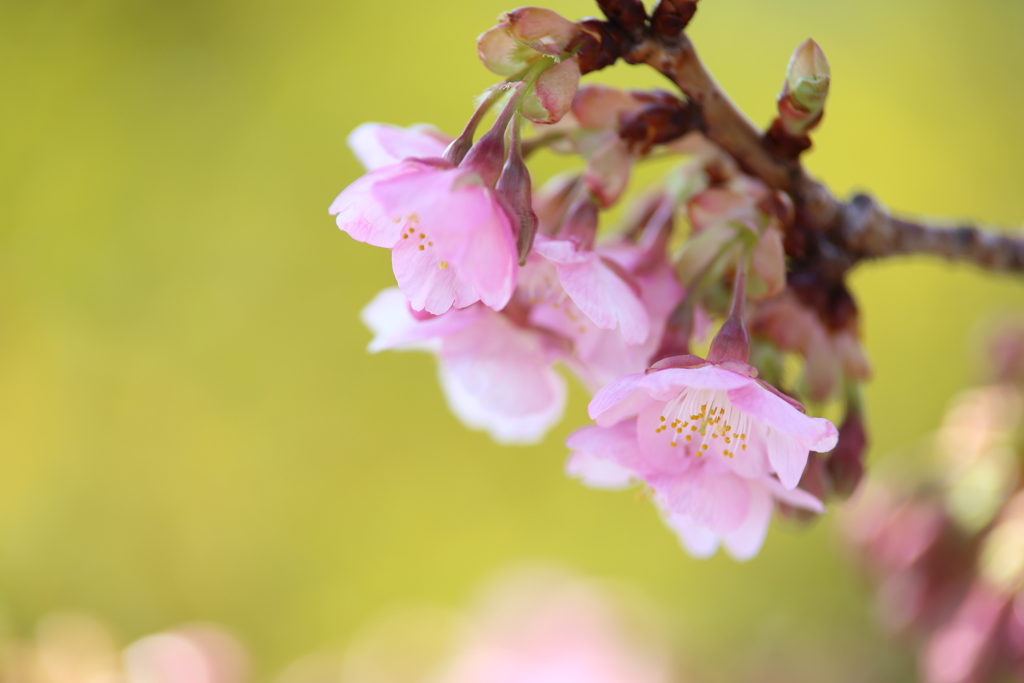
(862, 227)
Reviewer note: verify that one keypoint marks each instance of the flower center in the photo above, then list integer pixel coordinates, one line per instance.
(704, 421)
(417, 235)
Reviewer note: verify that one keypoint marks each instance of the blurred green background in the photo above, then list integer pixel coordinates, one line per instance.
(189, 425)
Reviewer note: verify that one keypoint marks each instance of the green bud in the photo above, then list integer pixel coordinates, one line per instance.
(803, 95)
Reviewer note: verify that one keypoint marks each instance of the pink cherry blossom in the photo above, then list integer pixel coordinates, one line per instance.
(702, 500)
(451, 238)
(573, 289)
(496, 375)
(542, 626)
(718, 412)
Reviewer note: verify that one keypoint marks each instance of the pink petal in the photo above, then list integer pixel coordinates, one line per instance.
(464, 224)
(657, 452)
(507, 368)
(752, 463)
(378, 144)
(427, 280)
(559, 251)
(745, 542)
(604, 457)
(795, 497)
(362, 216)
(788, 456)
(504, 429)
(605, 298)
(698, 541)
(620, 399)
(666, 384)
(720, 502)
(820, 434)
(389, 318)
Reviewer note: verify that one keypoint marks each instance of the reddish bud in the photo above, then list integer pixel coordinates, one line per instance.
(460, 146)
(845, 464)
(514, 187)
(487, 155)
(629, 15)
(600, 45)
(670, 17)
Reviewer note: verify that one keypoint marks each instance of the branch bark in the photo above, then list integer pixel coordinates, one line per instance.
(862, 227)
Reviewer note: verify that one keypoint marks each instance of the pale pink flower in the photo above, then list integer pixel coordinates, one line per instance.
(573, 290)
(702, 499)
(496, 375)
(715, 411)
(545, 627)
(451, 238)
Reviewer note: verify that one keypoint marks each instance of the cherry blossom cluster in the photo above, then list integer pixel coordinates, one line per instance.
(943, 536)
(508, 286)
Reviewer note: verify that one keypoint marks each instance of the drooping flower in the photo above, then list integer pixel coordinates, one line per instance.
(453, 240)
(697, 409)
(701, 499)
(497, 375)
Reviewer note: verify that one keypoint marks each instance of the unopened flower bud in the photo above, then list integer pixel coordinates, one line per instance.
(501, 54)
(460, 146)
(514, 187)
(845, 464)
(628, 15)
(543, 30)
(670, 17)
(553, 92)
(802, 100)
(488, 153)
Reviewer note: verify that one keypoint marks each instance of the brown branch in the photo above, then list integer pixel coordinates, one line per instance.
(870, 231)
(857, 230)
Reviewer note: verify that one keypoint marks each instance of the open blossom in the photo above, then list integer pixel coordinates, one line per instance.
(707, 439)
(701, 499)
(452, 240)
(718, 411)
(496, 375)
